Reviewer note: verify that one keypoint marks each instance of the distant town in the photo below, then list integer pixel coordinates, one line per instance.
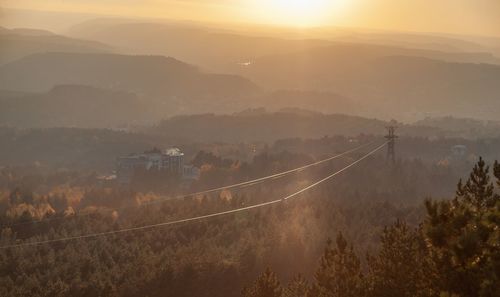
(170, 161)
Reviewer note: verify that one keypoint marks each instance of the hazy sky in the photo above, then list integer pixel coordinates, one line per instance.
(452, 16)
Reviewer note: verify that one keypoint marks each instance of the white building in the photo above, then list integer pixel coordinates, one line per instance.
(459, 151)
(191, 173)
(171, 160)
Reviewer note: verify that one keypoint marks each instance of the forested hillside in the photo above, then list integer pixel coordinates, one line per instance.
(75, 106)
(402, 84)
(249, 148)
(262, 125)
(453, 252)
(224, 49)
(155, 76)
(97, 149)
(224, 255)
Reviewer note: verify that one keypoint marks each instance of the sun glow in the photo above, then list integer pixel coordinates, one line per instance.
(298, 12)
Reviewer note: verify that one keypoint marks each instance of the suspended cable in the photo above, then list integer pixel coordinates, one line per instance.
(265, 178)
(198, 218)
(249, 183)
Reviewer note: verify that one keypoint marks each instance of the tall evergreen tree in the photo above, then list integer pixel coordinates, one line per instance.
(496, 172)
(339, 274)
(298, 287)
(266, 285)
(463, 235)
(401, 268)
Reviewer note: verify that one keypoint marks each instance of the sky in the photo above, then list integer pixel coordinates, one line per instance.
(476, 17)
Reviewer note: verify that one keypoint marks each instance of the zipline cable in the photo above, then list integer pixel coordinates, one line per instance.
(198, 218)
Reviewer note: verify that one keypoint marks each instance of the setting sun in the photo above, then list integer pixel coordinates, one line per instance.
(298, 12)
(249, 148)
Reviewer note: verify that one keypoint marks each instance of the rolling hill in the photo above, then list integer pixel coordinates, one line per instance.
(167, 80)
(266, 126)
(74, 106)
(383, 74)
(382, 78)
(18, 43)
(210, 48)
(384, 81)
(326, 102)
(222, 49)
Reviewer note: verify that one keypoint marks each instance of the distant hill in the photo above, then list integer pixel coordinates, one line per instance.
(375, 80)
(222, 49)
(325, 102)
(169, 81)
(11, 94)
(258, 125)
(382, 74)
(382, 78)
(74, 106)
(412, 40)
(99, 148)
(18, 43)
(210, 48)
(26, 32)
(71, 148)
(463, 127)
(92, 107)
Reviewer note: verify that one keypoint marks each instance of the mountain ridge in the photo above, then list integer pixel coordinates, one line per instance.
(20, 42)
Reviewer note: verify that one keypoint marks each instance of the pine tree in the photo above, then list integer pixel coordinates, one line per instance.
(496, 172)
(478, 190)
(266, 285)
(401, 268)
(298, 287)
(339, 274)
(463, 235)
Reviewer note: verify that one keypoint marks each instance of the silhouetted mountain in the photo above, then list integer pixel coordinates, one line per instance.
(221, 49)
(69, 147)
(163, 79)
(26, 32)
(258, 125)
(320, 75)
(463, 127)
(17, 43)
(74, 106)
(429, 41)
(381, 78)
(11, 94)
(208, 47)
(326, 102)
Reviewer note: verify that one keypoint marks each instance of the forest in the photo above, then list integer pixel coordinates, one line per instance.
(249, 148)
(377, 230)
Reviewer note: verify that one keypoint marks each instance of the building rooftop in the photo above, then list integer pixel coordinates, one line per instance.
(173, 152)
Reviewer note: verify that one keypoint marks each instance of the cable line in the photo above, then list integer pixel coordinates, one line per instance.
(265, 178)
(198, 218)
(237, 185)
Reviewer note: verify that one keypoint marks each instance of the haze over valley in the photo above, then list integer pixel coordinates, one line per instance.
(250, 148)
(387, 75)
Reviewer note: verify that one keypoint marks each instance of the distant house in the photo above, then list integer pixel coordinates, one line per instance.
(106, 180)
(191, 173)
(459, 151)
(170, 160)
